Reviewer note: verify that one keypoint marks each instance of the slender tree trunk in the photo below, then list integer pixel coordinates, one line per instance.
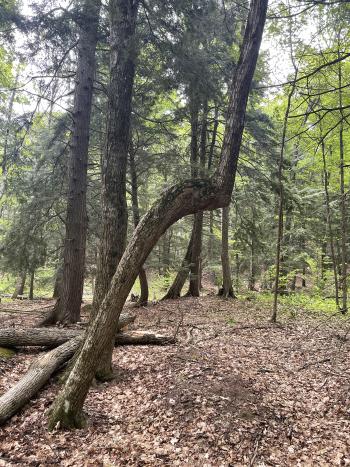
(180, 279)
(194, 279)
(197, 169)
(227, 289)
(67, 308)
(178, 201)
(31, 285)
(123, 14)
(19, 285)
(343, 207)
(329, 223)
(143, 301)
(281, 201)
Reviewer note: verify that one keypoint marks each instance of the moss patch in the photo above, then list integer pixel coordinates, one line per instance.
(6, 353)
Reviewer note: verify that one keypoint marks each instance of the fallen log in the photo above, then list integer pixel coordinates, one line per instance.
(53, 337)
(38, 374)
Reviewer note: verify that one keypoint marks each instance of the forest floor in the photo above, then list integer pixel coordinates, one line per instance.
(234, 390)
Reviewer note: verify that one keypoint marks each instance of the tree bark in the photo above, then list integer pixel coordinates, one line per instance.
(227, 289)
(57, 290)
(54, 337)
(38, 374)
(122, 16)
(187, 197)
(67, 308)
(329, 223)
(19, 285)
(343, 206)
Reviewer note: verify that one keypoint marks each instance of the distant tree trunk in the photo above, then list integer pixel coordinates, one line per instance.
(194, 279)
(252, 273)
(329, 223)
(227, 289)
(184, 198)
(343, 206)
(180, 279)
(197, 155)
(67, 308)
(123, 51)
(143, 300)
(31, 285)
(281, 201)
(19, 289)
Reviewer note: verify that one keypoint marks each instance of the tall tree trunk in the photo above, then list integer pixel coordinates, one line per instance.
(31, 285)
(197, 155)
(329, 223)
(19, 289)
(343, 207)
(123, 14)
(143, 300)
(227, 289)
(281, 201)
(182, 199)
(67, 308)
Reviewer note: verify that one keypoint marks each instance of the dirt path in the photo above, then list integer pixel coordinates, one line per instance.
(235, 391)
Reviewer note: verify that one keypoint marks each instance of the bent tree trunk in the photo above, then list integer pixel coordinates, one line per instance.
(123, 14)
(187, 197)
(19, 285)
(67, 308)
(226, 290)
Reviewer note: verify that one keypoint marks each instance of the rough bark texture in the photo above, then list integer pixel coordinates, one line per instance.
(227, 289)
(19, 285)
(122, 15)
(54, 337)
(67, 309)
(38, 374)
(58, 287)
(178, 201)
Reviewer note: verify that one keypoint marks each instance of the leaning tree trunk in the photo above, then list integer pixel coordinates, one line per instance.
(20, 285)
(67, 308)
(123, 14)
(182, 199)
(143, 300)
(226, 290)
